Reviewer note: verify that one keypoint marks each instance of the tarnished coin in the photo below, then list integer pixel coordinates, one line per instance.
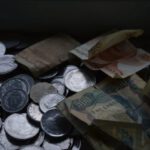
(40, 89)
(31, 147)
(50, 146)
(6, 142)
(60, 87)
(78, 80)
(18, 127)
(12, 84)
(65, 144)
(2, 49)
(14, 101)
(49, 101)
(55, 124)
(28, 79)
(34, 112)
(6, 68)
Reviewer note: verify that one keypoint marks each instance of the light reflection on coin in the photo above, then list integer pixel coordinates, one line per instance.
(40, 89)
(60, 87)
(77, 80)
(49, 101)
(34, 112)
(6, 68)
(32, 147)
(2, 49)
(18, 127)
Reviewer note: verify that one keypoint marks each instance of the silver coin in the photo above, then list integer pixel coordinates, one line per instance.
(8, 145)
(50, 146)
(18, 127)
(40, 89)
(28, 79)
(12, 84)
(60, 87)
(69, 68)
(1, 147)
(65, 144)
(14, 100)
(31, 147)
(58, 79)
(40, 139)
(2, 49)
(6, 68)
(49, 76)
(49, 101)
(34, 112)
(7, 59)
(76, 144)
(77, 80)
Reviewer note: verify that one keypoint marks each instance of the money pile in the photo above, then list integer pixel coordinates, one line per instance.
(7, 62)
(70, 106)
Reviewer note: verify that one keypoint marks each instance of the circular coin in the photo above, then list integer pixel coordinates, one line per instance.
(34, 112)
(49, 75)
(14, 101)
(18, 127)
(28, 79)
(69, 68)
(49, 101)
(55, 124)
(31, 147)
(40, 89)
(12, 84)
(60, 87)
(77, 80)
(40, 139)
(2, 48)
(6, 68)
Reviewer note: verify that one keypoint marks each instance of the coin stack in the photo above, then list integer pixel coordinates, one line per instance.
(33, 121)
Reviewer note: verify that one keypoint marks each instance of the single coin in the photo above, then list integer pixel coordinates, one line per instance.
(49, 101)
(28, 79)
(55, 124)
(6, 142)
(34, 112)
(69, 68)
(65, 144)
(40, 89)
(47, 145)
(12, 84)
(6, 68)
(2, 49)
(78, 80)
(14, 101)
(7, 59)
(60, 87)
(18, 127)
(58, 79)
(40, 139)
(49, 75)
(31, 147)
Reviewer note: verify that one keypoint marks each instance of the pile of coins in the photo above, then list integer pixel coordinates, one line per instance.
(32, 120)
(7, 62)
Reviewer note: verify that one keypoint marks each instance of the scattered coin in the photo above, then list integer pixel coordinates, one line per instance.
(6, 68)
(12, 84)
(69, 68)
(8, 145)
(40, 89)
(32, 147)
(2, 49)
(60, 87)
(59, 79)
(18, 127)
(55, 124)
(40, 139)
(77, 144)
(28, 79)
(49, 101)
(14, 101)
(7, 59)
(49, 75)
(78, 80)
(34, 112)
